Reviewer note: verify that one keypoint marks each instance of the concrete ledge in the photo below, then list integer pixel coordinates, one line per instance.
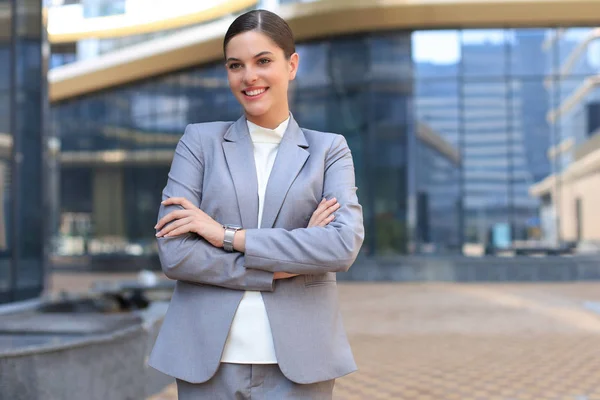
(74, 366)
(109, 367)
(448, 268)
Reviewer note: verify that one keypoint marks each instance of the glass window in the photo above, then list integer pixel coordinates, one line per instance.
(448, 129)
(530, 103)
(577, 53)
(484, 52)
(530, 52)
(486, 167)
(391, 57)
(436, 53)
(21, 130)
(313, 68)
(438, 166)
(5, 62)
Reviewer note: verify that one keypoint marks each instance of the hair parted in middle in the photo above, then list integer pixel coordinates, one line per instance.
(267, 22)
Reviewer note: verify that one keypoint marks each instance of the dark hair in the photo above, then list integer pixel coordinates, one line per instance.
(266, 22)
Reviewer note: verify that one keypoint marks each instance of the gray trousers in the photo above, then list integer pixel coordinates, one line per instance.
(253, 381)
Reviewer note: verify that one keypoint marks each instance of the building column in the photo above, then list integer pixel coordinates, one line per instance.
(108, 214)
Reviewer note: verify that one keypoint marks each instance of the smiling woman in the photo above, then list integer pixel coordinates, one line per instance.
(257, 217)
(260, 65)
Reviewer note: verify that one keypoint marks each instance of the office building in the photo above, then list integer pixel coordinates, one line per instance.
(23, 145)
(450, 129)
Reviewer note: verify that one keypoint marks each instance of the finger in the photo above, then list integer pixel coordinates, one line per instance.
(182, 201)
(329, 203)
(170, 217)
(320, 207)
(164, 220)
(175, 224)
(326, 213)
(323, 206)
(328, 220)
(333, 208)
(320, 213)
(315, 216)
(181, 230)
(172, 200)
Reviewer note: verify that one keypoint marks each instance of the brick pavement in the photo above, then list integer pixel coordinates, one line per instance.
(438, 341)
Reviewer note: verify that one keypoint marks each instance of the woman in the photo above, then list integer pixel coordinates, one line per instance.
(248, 231)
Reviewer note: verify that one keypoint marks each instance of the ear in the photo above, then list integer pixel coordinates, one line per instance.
(293, 65)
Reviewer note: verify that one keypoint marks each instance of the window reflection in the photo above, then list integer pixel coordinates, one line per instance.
(21, 109)
(449, 129)
(484, 52)
(494, 112)
(438, 167)
(436, 53)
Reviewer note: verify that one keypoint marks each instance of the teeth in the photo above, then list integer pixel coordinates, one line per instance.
(255, 92)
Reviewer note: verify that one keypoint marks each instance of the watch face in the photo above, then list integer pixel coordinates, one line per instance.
(237, 227)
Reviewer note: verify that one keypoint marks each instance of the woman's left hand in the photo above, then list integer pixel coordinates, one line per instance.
(190, 219)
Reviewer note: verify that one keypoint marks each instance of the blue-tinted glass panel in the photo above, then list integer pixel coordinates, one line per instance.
(5, 62)
(102, 8)
(486, 159)
(577, 52)
(474, 106)
(313, 70)
(573, 115)
(27, 191)
(530, 52)
(530, 101)
(391, 58)
(436, 53)
(484, 52)
(438, 166)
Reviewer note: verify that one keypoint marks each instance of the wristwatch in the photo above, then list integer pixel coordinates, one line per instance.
(230, 231)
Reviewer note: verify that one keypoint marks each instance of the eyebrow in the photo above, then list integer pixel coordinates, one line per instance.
(262, 53)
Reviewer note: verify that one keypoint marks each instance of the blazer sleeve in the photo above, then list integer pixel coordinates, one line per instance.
(315, 250)
(189, 257)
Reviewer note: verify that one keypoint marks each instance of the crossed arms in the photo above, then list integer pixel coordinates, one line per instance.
(196, 256)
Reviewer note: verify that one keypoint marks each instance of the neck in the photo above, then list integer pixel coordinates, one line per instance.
(269, 120)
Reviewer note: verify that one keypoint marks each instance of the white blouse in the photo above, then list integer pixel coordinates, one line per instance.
(250, 340)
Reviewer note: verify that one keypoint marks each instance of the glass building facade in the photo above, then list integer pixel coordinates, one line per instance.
(22, 109)
(448, 129)
(90, 48)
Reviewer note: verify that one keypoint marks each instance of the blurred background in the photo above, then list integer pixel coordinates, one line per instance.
(465, 140)
(473, 126)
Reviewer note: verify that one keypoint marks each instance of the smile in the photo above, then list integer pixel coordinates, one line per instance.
(255, 92)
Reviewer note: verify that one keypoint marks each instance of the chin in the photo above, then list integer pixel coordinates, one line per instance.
(256, 111)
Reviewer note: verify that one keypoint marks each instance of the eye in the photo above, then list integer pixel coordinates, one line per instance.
(264, 61)
(234, 65)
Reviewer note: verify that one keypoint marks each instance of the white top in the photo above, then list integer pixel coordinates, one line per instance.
(250, 340)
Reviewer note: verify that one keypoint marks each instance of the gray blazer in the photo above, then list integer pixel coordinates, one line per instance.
(213, 167)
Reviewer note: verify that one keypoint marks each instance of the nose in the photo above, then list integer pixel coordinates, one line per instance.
(250, 76)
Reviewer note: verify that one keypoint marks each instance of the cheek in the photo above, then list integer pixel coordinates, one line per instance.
(234, 81)
(279, 79)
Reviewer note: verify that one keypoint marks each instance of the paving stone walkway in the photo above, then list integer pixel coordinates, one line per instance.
(439, 341)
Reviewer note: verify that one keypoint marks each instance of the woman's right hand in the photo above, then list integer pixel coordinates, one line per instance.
(322, 216)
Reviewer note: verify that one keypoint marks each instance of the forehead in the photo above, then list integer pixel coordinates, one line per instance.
(248, 44)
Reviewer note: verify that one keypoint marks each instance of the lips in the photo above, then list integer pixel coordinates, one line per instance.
(254, 92)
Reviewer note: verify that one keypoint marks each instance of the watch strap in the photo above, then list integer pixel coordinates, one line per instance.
(228, 239)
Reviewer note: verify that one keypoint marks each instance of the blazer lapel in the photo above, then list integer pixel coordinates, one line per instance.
(291, 156)
(239, 154)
